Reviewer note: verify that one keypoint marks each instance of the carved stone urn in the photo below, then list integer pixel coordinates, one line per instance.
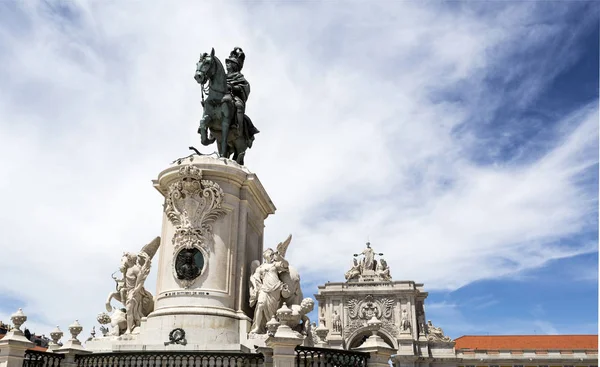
(18, 318)
(373, 325)
(284, 314)
(75, 329)
(55, 335)
(272, 326)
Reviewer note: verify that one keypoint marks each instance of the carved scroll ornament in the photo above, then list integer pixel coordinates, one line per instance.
(359, 311)
(192, 205)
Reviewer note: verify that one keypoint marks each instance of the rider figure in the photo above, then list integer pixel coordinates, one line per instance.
(237, 84)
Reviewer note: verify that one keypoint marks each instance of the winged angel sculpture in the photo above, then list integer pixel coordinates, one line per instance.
(130, 290)
(271, 284)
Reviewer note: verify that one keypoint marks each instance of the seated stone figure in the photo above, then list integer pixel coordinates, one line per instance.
(436, 333)
(354, 272)
(383, 271)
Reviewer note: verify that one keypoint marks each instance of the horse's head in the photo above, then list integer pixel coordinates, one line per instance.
(204, 67)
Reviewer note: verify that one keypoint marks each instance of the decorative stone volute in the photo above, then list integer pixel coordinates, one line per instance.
(192, 204)
(75, 329)
(18, 318)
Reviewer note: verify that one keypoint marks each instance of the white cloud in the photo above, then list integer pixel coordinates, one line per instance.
(351, 144)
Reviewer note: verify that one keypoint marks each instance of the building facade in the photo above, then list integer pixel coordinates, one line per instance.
(370, 295)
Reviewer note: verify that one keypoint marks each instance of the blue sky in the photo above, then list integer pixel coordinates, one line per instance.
(461, 138)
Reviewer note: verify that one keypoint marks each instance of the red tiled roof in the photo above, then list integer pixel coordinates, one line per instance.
(521, 342)
(38, 348)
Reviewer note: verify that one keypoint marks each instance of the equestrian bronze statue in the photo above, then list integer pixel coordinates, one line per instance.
(224, 119)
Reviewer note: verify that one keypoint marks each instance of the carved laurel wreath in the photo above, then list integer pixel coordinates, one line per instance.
(192, 205)
(177, 336)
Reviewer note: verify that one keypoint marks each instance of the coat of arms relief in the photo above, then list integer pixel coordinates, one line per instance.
(362, 310)
(192, 205)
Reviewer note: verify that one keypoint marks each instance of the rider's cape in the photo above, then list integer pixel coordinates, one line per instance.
(247, 129)
(237, 79)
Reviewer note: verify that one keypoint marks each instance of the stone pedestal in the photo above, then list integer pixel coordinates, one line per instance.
(406, 345)
(423, 346)
(13, 347)
(379, 351)
(70, 354)
(283, 347)
(73, 345)
(405, 361)
(212, 231)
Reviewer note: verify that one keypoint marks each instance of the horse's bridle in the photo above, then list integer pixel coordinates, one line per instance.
(206, 90)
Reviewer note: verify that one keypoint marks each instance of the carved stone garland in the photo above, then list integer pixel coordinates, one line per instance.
(360, 311)
(192, 205)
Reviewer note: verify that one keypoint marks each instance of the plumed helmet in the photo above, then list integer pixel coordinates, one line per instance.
(237, 56)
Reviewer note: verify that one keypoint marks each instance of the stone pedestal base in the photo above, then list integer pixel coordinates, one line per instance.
(380, 352)
(406, 345)
(404, 361)
(212, 231)
(13, 347)
(442, 349)
(283, 347)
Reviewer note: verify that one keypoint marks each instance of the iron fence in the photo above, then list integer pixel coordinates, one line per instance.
(325, 357)
(170, 359)
(34, 358)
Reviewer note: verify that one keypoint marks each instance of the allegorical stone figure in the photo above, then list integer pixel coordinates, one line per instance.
(382, 270)
(354, 272)
(271, 284)
(337, 322)
(130, 290)
(268, 292)
(368, 261)
(404, 321)
(436, 333)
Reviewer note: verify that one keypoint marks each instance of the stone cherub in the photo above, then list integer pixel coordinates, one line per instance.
(130, 290)
(299, 320)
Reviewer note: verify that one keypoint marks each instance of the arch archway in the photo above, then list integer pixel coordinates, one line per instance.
(359, 336)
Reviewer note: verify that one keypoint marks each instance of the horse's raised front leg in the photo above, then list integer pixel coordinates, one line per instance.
(203, 130)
